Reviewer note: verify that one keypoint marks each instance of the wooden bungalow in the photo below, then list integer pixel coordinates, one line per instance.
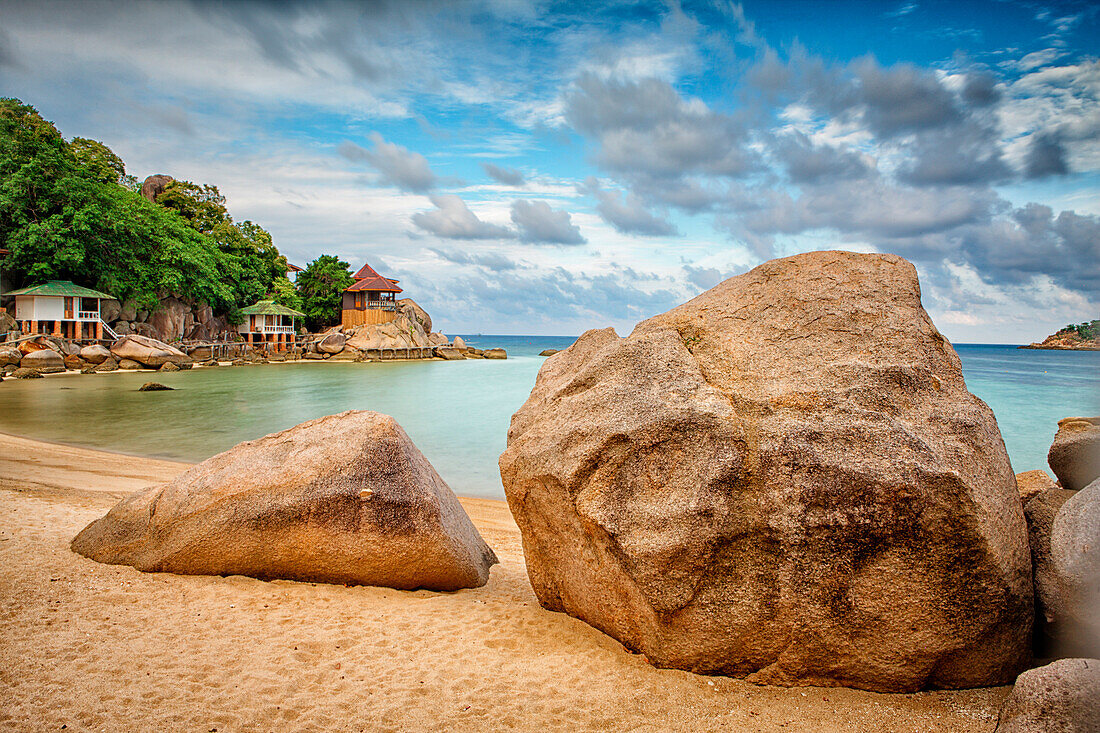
(270, 323)
(372, 299)
(60, 308)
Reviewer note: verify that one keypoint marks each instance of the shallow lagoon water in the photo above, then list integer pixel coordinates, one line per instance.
(456, 412)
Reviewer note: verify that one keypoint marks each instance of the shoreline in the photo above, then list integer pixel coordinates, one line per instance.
(89, 645)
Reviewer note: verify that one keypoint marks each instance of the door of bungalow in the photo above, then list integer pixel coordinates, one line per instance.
(68, 309)
(252, 323)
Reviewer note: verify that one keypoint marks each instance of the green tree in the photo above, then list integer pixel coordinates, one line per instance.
(321, 286)
(203, 206)
(98, 161)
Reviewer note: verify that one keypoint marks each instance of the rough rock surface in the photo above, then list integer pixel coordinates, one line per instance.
(74, 362)
(784, 478)
(154, 186)
(495, 354)
(332, 344)
(1075, 454)
(346, 499)
(41, 359)
(109, 364)
(1062, 697)
(27, 373)
(10, 356)
(154, 387)
(1075, 565)
(169, 367)
(1030, 483)
(548, 352)
(458, 343)
(446, 352)
(130, 364)
(95, 354)
(409, 308)
(1040, 511)
(147, 351)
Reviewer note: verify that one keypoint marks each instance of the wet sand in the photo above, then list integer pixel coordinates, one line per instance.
(100, 647)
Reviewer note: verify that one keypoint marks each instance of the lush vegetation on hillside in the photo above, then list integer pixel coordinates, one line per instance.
(68, 211)
(1087, 330)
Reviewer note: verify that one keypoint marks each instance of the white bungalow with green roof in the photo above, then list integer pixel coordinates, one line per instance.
(61, 308)
(269, 322)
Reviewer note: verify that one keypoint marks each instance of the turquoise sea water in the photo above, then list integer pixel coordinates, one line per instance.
(456, 412)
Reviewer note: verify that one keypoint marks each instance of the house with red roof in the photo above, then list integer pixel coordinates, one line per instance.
(371, 300)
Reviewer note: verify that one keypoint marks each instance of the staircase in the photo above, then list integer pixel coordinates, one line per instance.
(108, 330)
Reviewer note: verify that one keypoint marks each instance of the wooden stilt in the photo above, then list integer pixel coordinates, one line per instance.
(99, 330)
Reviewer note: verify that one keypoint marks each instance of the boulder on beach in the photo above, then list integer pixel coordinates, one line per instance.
(129, 365)
(146, 351)
(341, 499)
(495, 354)
(1030, 483)
(1061, 697)
(783, 479)
(27, 373)
(332, 344)
(109, 364)
(95, 354)
(169, 367)
(1075, 453)
(154, 387)
(41, 359)
(74, 362)
(10, 356)
(37, 344)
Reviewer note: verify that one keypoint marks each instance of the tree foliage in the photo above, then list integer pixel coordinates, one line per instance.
(1087, 330)
(321, 286)
(69, 211)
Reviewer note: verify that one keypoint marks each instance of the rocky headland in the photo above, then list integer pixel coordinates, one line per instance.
(1081, 337)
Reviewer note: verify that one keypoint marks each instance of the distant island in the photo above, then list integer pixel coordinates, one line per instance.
(1075, 337)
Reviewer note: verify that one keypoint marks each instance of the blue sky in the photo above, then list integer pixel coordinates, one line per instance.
(536, 167)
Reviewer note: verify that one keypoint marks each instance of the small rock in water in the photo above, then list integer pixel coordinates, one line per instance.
(153, 387)
(548, 352)
(496, 354)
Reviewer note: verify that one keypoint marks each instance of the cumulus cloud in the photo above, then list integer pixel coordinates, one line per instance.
(493, 261)
(538, 223)
(625, 211)
(396, 164)
(452, 219)
(806, 162)
(507, 176)
(1046, 156)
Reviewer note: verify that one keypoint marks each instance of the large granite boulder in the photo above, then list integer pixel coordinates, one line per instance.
(42, 359)
(342, 499)
(785, 479)
(1075, 453)
(147, 351)
(172, 319)
(447, 353)
(332, 344)
(459, 344)
(1040, 511)
(95, 354)
(10, 356)
(35, 344)
(1075, 569)
(409, 308)
(1062, 697)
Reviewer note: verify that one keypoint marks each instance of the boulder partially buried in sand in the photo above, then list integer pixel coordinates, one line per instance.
(146, 351)
(342, 499)
(1062, 697)
(785, 479)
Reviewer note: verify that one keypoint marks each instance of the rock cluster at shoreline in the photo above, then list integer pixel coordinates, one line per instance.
(1066, 340)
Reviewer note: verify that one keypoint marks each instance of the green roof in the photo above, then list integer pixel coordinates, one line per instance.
(270, 308)
(63, 288)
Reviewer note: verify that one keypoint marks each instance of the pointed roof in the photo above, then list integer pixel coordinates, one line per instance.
(61, 288)
(270, 308)
(368, 279)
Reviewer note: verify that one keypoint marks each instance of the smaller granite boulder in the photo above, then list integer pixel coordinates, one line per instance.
(168, 367)
(445, 352)
(495, 354)
(332, 344)
(88, 369)
(154, 387)
(1062, 697)
(26, 373)
(437, 339)
(459, 343)
(109, 364)
(129, 364)
(548, 352)
(1075, 454)
(342, 499)
(1075, 564)
(1031, 483)
(74, 362)
(32, 345)
(145, 350)
(10, 356)
(95, 354)
(41, 359)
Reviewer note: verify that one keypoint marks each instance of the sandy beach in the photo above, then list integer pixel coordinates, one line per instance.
(85, 646)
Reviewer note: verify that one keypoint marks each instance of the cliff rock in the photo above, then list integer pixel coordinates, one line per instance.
(154, 186)
(784, 479)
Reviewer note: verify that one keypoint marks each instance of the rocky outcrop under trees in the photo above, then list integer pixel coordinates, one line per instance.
(341, 499)
(784, 479)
